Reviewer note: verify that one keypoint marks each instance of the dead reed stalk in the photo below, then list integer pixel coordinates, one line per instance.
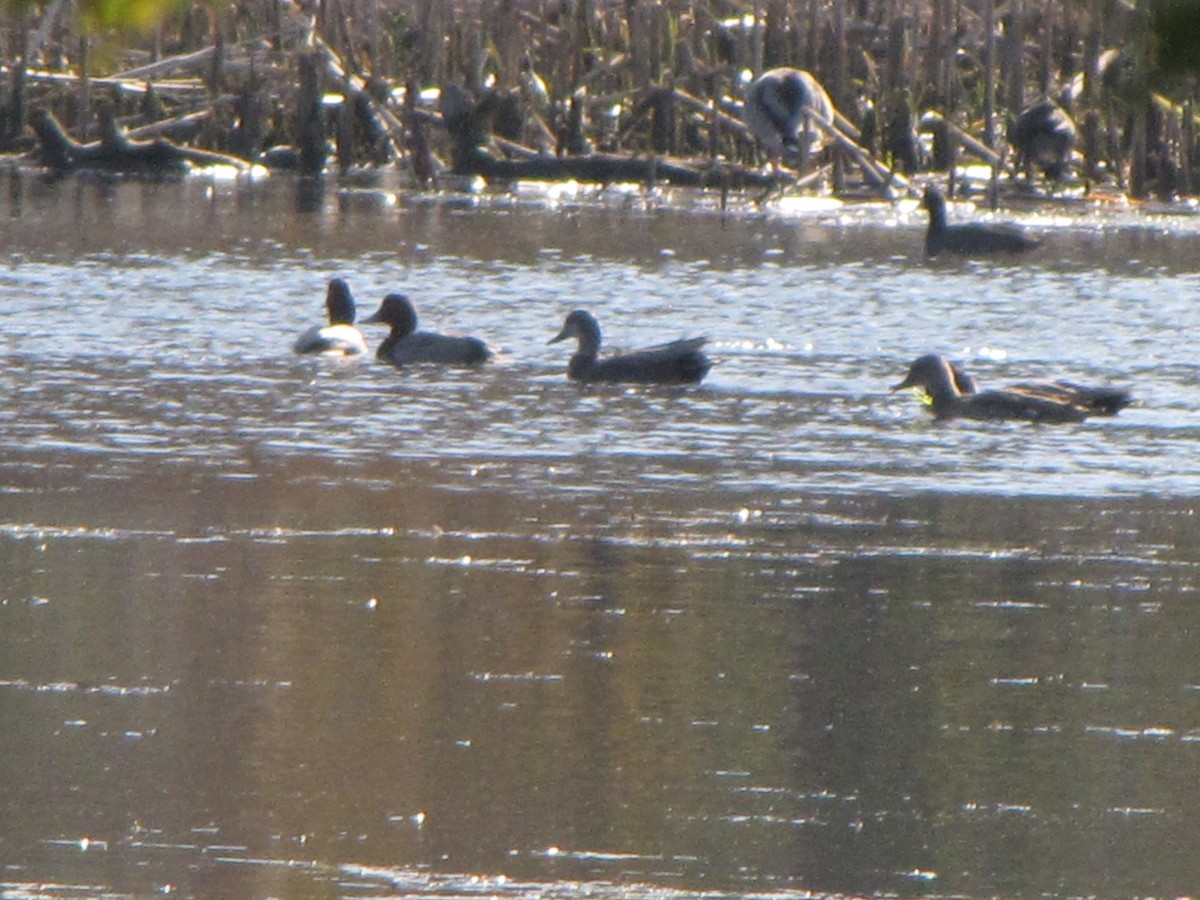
(976, 63)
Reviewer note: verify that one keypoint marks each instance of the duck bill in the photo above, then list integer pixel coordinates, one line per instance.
(906, 383)
(372, 319)
(561, 336)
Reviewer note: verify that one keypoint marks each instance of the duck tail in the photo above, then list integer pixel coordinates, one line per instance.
(694, 366)
(1095, 401)
(1106, 401)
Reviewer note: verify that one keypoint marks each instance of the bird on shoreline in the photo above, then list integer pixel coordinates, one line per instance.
(339, 337)
(953, 394)
(405, 345)
(779, 104)
(677, 362)
(972, 238)
(1043, 136)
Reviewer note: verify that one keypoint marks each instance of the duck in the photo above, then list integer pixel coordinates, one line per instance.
(778, 104)
(1043, 135)
(339, 337)
(972, 238)
(406, 345)
(954, 394)
(678, 362)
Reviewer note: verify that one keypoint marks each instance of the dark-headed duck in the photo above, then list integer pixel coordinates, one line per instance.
(952, 394)
(339, 337)
(405, 345)
(972, 238)
(679, 362)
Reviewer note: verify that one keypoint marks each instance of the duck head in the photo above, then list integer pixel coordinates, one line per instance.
(580, 325)
(934, 201)
(339, 303)
(936, 376)
(397, 311)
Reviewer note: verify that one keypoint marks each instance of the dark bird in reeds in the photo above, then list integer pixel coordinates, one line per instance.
(405, 345)
(953, 394)
(1043, 136)
(779, 104)
(900, 139)
(339, 337)
(679, 362)
(972, 238)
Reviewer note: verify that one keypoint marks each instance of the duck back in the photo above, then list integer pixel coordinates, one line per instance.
(952, 394)
(996, 405)
(974, 239)
(429, 347)
(344, 340)
(1091, 401)
(679, 362)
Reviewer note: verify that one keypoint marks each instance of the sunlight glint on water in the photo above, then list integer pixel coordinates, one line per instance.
(277, 626)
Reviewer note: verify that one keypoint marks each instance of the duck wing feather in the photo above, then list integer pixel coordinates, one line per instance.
(676, 362)
(428, 347)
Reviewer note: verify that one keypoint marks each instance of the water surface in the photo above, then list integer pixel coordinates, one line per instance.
(283, 627)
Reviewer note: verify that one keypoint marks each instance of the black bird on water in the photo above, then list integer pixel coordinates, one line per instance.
(972, 238)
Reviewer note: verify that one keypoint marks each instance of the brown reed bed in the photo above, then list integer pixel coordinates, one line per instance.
(439, 85)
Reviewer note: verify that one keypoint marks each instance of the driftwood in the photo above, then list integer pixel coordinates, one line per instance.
(383, 128)
(367, 121)
(196, 60)
(183, 88)
(469, 125)
(116, 153)
(932, 121)
(873, 170)
(605, 168)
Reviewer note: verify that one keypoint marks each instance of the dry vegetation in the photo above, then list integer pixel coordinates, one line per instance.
(649, 79)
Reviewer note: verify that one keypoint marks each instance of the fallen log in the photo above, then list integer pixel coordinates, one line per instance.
(179, 128)
(388, 131)
(184, 87)
(116, 153)
(604, 168)
(934, 120)
(873, 170)
(195, 60)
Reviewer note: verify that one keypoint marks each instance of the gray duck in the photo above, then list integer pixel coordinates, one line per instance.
(953, 394)
(405, 345)
(778, 103)
(678, 362)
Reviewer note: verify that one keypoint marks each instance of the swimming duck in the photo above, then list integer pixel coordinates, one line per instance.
(339, 337)
(952, 394)
(971, 239)
(679, 362)
(1043, 135)
(406, 345)
(778, 103)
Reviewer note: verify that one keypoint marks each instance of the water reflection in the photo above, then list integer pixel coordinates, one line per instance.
(276, 627)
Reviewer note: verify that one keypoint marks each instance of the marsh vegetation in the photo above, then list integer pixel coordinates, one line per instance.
(469, 86)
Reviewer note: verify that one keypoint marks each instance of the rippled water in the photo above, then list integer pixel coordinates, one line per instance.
(284, 627)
